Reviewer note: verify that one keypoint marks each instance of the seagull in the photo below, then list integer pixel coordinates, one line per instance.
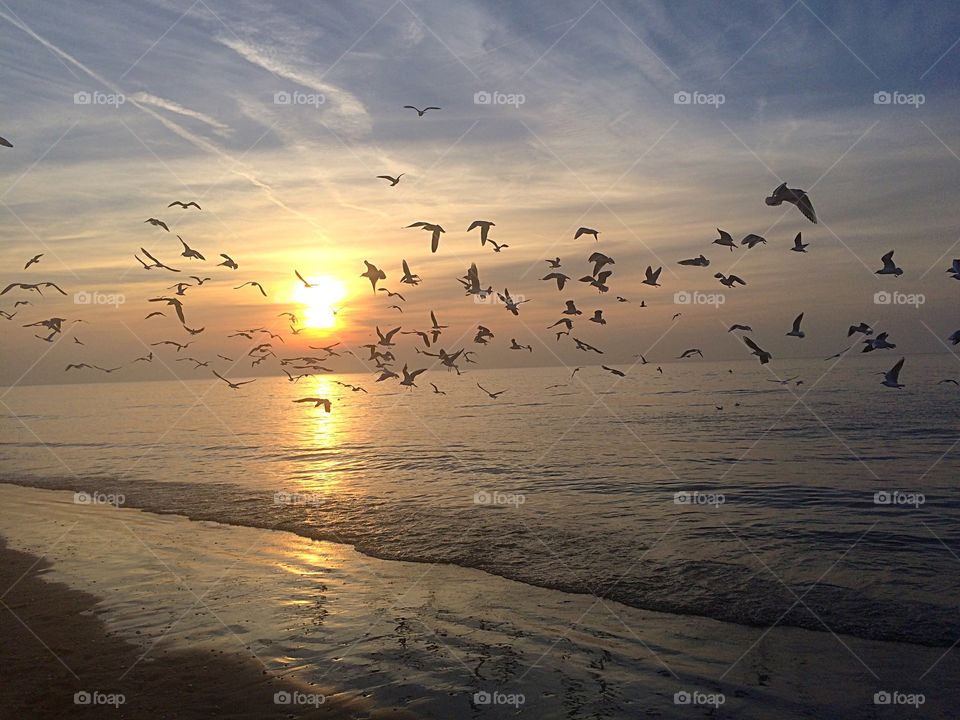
(408, 277)
(498, 248)
(171, 342)
(200, 281)
(77, 366)
(688, 353)
(419, 111)
(409, 377)
(737, 326)
(621, 299)
(571, 309)
(431, 228)
(566, 322)
(157, 223)
(725, 239)
(587, 231)
(255, 284)
(156, 263)
(797, 197)
(695, 262)
(177, 305)
(493, 395)
(437, 328)
(796, 331)
(34, 259)
(194, 332)
(393, 180)
(392, 294)
(581, 345)
(184, 205)
(785, 382)
(862, 328)
(7, 315)
(599, 282)
(889, 267)
(387, 340)
(394, 307)
(181, 288)
(5, 142)
(228, 262)
(751, 240)
(643, 360)
(154, 314)
(514, 345)
(730, 281)
(799, 245)
(652, 277)
(471, 281)
(484, 226)
(762, 354)
(512, 305)
(599, 260)
(146, 358)
(598, 317)
(423, 335)
(574, 372)
(555, 263)
(955, 338)
(675, 316)
(374, 274)
(836, 355)
(891, 378)
(955, 269)
(878, 343)
(436, 390)
(386, 374)
(35, 287)
(305, 283)
(614, 371)
(559, 277)
(232, 385)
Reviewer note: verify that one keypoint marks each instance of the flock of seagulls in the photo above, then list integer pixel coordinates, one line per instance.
(381, 353)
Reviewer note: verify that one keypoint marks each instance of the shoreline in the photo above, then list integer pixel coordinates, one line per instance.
(60, 654)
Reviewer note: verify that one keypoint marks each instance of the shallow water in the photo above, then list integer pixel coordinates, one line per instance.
(786, 481)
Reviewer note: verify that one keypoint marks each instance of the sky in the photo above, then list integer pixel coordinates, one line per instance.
(116, 109)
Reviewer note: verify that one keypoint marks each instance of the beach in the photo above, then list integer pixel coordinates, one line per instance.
(220, 618)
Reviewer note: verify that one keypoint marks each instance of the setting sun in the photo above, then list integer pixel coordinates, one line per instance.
(320, 301)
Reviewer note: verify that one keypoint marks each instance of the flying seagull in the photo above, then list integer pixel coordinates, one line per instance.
(34, 259)
(695, 262)
(255, 284)
(581, 345)
(878, 343)
(797, 197)
(737, 326)
(751, 240)
(889, 266)
(891, 378)
(374, 274)
(484, 226)
(232, 385)
(156, 263)
(862, 328)
(393, 180)
(493, 395)
(189, 252)
(555, 263)
(599, 260)
(559, 277)
(725, 239)
(598, 317)
(433, 229)
(512, 305)
(730, 281)
(795, 330)
(571, 309)
(496, 247)
(587, 231)
(228, 262)
(689, 353)
(157, 223)
(408, 277)
(599, 282)
(317, 402)
(798, 244)
(184, 205)
(652, 276)
(419, 111)
(762, 354)
(614, 371)
(409, 377)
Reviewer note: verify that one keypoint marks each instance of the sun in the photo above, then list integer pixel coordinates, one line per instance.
(320, 302)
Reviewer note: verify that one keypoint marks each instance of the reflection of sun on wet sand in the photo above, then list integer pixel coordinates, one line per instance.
(216, 609)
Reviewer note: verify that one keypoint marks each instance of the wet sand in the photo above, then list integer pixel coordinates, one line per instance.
(55, 651)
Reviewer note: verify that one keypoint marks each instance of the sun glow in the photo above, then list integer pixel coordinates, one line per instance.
(320, 302)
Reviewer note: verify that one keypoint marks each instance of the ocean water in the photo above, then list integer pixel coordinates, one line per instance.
(635, 489)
